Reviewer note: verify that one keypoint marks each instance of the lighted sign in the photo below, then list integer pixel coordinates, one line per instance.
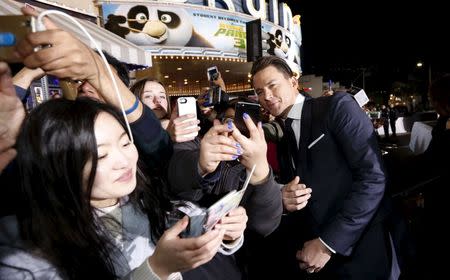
(161, 25)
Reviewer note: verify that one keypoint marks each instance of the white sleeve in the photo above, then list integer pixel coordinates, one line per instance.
(230, 248)
(326, 245)
(145, 272)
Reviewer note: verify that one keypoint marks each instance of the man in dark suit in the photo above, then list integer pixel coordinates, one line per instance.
(331, 145)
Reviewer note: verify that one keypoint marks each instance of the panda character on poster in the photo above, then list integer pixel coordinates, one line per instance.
(282, 45)
(148, 25)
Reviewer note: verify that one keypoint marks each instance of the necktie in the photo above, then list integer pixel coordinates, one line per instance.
(288, 152)
(292, 141)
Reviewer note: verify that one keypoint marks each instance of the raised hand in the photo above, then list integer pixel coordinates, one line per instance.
(63, 55)
(66, 57)
(216, 147)
(175, 254)
(180, 128)
(255, 150)
(295, 195)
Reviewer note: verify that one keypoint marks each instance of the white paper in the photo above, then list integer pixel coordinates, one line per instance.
(361, 98)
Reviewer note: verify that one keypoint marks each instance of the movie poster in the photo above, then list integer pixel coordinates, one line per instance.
(175, 26)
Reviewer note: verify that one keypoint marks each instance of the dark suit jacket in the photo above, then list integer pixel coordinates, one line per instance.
(344, 170)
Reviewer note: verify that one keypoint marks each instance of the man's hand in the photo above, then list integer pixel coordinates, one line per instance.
(313, 256)
(66, 57)
(295, 195)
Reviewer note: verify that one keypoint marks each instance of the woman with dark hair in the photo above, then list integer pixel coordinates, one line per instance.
(153, 94)
(87, 211)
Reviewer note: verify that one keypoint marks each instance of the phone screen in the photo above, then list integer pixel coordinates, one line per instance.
(252, 109)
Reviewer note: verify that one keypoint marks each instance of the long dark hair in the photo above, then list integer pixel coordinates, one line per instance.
(138, 89)
(55, 217)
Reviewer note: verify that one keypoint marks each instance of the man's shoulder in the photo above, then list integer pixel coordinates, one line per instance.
(335, 97)
(329, 101)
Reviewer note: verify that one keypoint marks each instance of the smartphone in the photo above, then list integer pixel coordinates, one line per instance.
(212, 73)
(12, 30)
(252, 109)
(214, 96)
(187, 105)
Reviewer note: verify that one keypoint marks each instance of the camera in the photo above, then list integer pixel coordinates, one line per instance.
(216, 96)
(12, 30)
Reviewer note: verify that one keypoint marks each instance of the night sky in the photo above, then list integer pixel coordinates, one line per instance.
(342, 37)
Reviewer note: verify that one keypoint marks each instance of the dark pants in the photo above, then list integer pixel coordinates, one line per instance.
(276, 258)
(393, 127)
(386, 128)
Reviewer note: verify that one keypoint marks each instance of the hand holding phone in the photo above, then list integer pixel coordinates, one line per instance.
(186, 106)
(252, 109)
